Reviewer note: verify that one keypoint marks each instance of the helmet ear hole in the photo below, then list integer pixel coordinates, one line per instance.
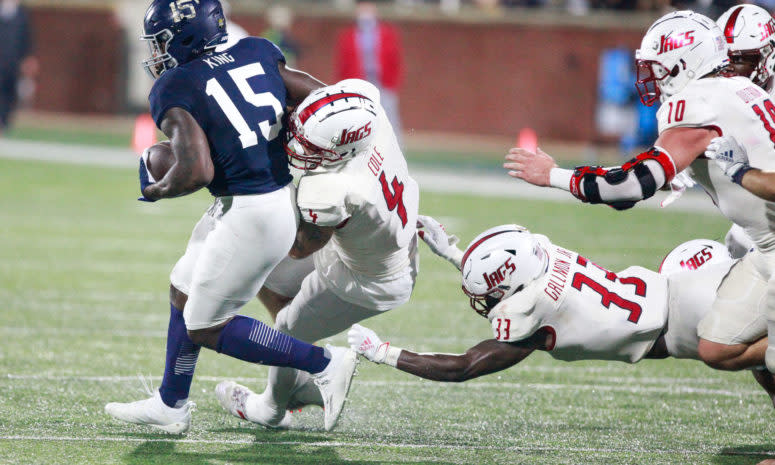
(674, 71)
(187, 41)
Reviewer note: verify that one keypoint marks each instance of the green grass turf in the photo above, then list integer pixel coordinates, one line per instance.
(83, 292)
(460, 158)
(72, 136)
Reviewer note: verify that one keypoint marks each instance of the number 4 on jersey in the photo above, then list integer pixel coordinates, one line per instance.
(394, 198)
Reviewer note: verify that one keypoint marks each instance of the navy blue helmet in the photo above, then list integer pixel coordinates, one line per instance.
(179, 31)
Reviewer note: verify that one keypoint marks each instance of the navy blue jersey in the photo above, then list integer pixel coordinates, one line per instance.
(238, 97)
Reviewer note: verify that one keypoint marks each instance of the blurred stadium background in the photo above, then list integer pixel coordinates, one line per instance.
(83, 266)
(484, 67)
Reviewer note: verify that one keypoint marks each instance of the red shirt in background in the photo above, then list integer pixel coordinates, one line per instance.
(349, 63)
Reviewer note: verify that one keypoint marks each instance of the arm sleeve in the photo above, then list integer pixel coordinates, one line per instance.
(321, 200)
(173, 89)
(622, 186)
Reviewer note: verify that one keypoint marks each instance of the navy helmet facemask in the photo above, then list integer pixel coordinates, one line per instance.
(179, 31)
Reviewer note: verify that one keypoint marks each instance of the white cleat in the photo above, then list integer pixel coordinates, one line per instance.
(304, 394)
(153, 412)
(334, 383)
(247, 405)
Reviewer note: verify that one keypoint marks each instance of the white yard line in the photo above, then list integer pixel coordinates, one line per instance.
(496, 184)
(675, 386)
(628, 450)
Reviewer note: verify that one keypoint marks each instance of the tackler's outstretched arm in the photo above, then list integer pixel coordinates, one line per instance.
(484, 358)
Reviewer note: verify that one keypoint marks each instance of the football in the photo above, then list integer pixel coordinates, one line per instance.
(160, 159)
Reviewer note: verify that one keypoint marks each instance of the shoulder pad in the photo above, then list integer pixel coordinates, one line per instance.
(514, 319)
(321, 198)
(686, 109)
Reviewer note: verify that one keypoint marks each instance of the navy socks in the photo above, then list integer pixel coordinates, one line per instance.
(243, 338)
(253, 341)
(182, 355)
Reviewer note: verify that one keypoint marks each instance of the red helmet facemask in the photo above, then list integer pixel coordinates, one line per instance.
(483, 303)
(302, 153)
(647, 79)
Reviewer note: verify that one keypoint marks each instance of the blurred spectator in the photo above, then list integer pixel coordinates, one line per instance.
(616, 114)
(768, 5)
(279, 19)
(371, 50)
(709, 8)
(235, 31)
(16, 58)
(620, 5)
(523, 3)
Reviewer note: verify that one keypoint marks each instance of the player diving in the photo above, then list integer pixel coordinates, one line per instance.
(541, 296)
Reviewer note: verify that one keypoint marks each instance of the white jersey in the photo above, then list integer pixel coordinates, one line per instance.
(591, 312)
(733, 106)
(372, 201)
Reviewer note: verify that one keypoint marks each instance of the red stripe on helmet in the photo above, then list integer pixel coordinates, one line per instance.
(318, 104)
(478, 243)
(729, 28)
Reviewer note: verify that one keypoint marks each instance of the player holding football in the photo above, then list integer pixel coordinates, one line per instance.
(682, 61)
(540, 296)
(355, 255)
(222, 112)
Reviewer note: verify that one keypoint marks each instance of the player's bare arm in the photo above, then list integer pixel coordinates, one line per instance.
(487, 357)
(297, 83)
(193, 168)
(484, 358)
(309, 239)
(685, 144)
(760, 183)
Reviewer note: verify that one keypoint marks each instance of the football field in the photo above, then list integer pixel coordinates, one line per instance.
(83, 296)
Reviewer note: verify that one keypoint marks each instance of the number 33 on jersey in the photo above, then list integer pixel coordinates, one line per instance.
(590, 312)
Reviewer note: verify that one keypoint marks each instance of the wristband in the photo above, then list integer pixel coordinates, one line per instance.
(392, 356)
(737, 178)
(456, 257)
(560, 178)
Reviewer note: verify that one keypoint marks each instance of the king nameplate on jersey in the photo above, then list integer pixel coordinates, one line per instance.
(218, 60)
